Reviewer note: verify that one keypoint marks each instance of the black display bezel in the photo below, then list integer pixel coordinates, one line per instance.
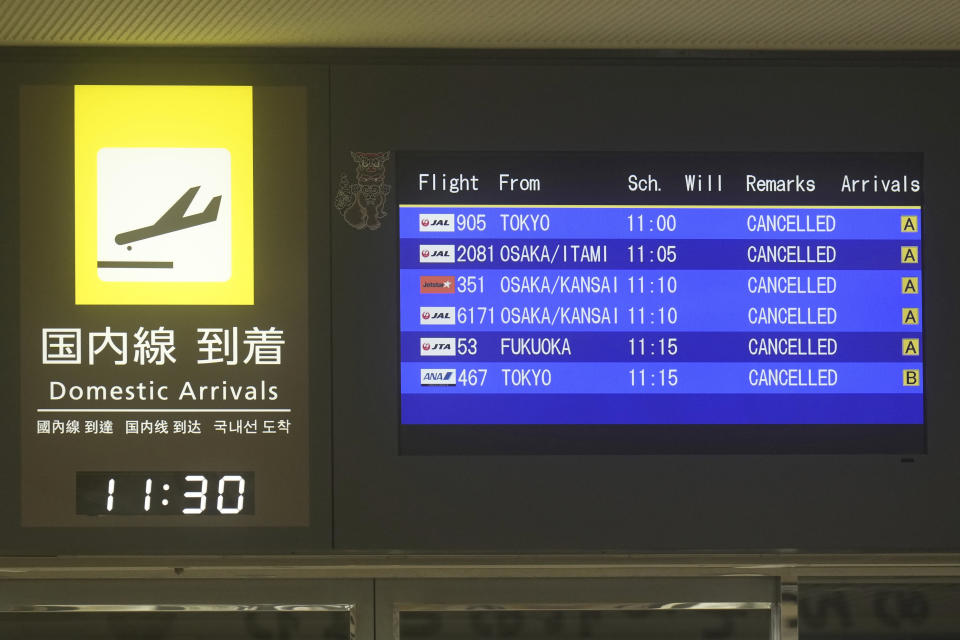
(722, 438)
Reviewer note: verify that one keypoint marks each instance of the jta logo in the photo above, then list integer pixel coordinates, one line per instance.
(438, 346)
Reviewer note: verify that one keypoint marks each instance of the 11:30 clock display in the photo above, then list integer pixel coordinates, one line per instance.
(186, 493)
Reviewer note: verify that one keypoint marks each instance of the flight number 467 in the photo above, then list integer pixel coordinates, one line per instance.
(472, 377)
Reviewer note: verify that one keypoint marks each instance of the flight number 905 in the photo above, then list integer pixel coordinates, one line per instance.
(471, 222)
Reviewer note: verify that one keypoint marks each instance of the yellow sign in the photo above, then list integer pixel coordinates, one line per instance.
(911, 377)
(910, 284)
(909, 255)
(164, 194)
(911, 315)
(911, 346)
(909, 224)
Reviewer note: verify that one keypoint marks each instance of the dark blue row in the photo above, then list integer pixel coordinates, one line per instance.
(662, 409)
(661, 254)
(657, 346)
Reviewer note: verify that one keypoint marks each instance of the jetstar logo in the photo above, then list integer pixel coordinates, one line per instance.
(436, 222)
(438, 284)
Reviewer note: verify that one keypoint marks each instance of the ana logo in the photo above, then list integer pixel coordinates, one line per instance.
(164, 194)
(436, 253)
(438, 346)
(438, 284)
(437, 315)
(438, 377)
(436, 222)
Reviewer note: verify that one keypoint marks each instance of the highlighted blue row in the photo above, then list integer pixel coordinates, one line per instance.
(834, 223)
(779, 408)
(886, 315)
(637, 287)
(594, 253)
(640, 348)
(660, 378)
(720, 300)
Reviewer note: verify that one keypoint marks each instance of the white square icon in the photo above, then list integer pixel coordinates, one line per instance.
(163, 214)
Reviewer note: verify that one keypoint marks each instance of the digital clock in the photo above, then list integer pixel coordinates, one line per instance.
(190, 493)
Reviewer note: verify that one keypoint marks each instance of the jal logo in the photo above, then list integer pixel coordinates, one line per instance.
(436, 222)
(438, 377)
(437, 346)
(436, 253)
(437, 315)
(438, 284)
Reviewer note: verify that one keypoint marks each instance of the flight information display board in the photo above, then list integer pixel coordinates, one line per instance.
(742, 291)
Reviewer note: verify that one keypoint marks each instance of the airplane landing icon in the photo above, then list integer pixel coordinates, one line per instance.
(148, 209)
(175, 219)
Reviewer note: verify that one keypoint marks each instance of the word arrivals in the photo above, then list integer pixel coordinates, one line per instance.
(225, 391)
(876, 184)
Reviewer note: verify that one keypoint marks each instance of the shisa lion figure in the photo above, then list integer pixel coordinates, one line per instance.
(362, 204)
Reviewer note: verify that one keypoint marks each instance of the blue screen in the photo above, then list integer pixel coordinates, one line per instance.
(660, 289)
